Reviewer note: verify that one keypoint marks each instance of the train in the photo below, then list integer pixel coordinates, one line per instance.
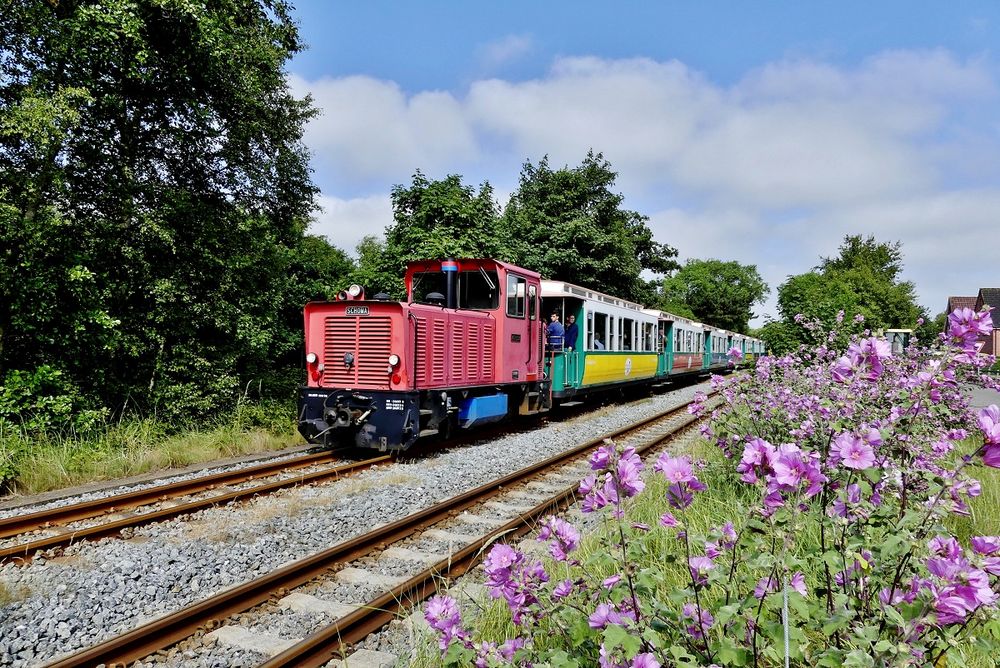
(468, 348)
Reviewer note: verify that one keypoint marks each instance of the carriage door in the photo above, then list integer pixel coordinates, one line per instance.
(518, 353)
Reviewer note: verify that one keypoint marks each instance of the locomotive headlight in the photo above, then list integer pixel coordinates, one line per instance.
(393, 360)
(311, 358)
(355, 290)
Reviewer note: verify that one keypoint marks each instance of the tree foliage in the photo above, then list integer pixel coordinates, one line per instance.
(432, 219)
(569, 224)
(717, 293)
(154, 192)
(862, 280)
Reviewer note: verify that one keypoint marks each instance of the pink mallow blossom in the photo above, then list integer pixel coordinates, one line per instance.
(989, 422)
(565, 537)
(854, 451)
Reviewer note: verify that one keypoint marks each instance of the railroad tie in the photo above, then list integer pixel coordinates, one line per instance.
(308, 603)
(469, 518)
(454, 539)
(367, 658)
(362, 576)
(406, 554)
(235, 635)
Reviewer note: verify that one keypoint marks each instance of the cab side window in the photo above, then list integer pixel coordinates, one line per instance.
(515, 295)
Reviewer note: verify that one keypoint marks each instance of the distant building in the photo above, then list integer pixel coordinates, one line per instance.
(990, 297)
(960, 302)
(986, 297)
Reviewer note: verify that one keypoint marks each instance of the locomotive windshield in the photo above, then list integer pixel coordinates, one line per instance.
(477, 289)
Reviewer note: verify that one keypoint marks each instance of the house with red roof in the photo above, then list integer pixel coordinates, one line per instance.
(986, 297)
(990, 297)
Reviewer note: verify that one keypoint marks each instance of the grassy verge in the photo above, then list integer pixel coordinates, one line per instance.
(135, 446)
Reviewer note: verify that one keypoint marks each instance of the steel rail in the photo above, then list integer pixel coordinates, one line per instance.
(176, 626)
(24, 551)
(18, 524)
(331, 641)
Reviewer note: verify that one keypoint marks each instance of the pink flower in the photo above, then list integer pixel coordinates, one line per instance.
(989, 421)
(986, 545)
(674, 469)
(854, 452)
(567, 538)
(604, 615)
(645, 660)
(563, 589)
(991, 456)
(442, 613)
(668, 520)
(765, 586)
(798, 583)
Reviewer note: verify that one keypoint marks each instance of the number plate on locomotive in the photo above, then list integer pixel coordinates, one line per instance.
(356, 310)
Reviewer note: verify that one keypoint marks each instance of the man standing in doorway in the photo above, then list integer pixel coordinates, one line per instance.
(555, 333)
(569, 340)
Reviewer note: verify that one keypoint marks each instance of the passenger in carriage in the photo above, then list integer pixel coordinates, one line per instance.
(598, 345)
(555, 333)
(569, 341)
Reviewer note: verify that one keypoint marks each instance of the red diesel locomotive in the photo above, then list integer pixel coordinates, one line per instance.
(464, 349)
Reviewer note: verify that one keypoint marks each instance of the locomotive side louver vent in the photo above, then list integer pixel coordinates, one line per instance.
(369, 340)
(458, 352)
(438, 341)
(487, 352)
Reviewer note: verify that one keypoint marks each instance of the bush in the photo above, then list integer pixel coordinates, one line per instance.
(839, 477)
(44, 401)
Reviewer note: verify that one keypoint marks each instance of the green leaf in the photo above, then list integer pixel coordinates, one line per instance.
(617, 636)
(858, 659)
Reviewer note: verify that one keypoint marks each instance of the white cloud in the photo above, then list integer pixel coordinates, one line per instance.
(371, 128)
(344, 222)
(504, 50)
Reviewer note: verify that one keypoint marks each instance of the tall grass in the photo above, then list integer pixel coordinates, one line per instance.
(133, 446)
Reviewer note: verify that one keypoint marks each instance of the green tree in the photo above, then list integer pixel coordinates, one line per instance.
(569, 225)
(720, 294)
(153, 190)
(431, 220)
(863, 279)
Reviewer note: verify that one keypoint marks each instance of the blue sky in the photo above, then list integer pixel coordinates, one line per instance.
(755, 132)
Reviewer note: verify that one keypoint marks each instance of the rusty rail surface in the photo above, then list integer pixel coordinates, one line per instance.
(170, 629)
(24, 551)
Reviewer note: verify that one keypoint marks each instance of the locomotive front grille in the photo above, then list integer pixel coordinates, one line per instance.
(369, 340)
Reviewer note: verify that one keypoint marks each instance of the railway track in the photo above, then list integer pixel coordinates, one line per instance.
(57, 518)
(512, 495)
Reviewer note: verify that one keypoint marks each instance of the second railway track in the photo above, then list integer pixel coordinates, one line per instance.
(59, 517)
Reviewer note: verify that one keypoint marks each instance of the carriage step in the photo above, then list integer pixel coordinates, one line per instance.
(426, 411)
(427, 432)
(570, 403)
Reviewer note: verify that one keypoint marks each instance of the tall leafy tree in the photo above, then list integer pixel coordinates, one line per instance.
(570, 225)
(862, 280)
(153, 191)
(721, 294)
(432, 219)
